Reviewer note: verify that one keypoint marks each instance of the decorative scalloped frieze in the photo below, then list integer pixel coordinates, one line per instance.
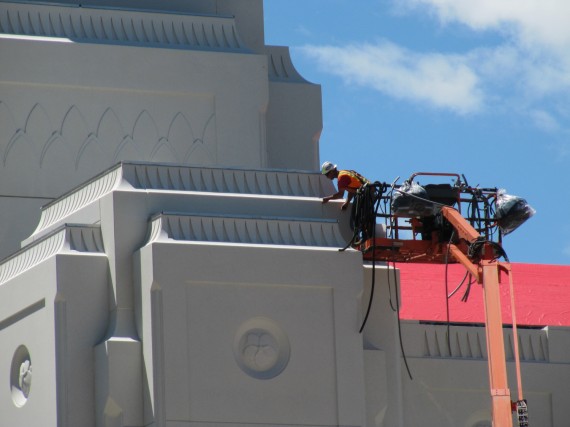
(218, 180)
(533, 345)
(469, 342)
(280, 66)
(69, 237)
(85, 238)
(245, 230)
(79, 197)
(42, 140)
(154, 29)
(32, 255)
(184, 178)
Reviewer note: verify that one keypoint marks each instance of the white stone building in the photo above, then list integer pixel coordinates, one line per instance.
(168, 259)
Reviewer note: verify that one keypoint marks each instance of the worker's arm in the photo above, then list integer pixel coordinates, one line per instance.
(338, 195)
(348, 199)
(342, 184)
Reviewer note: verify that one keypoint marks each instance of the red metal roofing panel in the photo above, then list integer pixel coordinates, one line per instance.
(542, 294)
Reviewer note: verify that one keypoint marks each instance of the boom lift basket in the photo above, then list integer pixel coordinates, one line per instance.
(434, 212)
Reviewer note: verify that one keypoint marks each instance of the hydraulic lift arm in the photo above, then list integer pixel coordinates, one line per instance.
(487, 271)
(455, 239)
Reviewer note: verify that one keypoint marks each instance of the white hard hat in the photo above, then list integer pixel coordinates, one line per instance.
(327, 167)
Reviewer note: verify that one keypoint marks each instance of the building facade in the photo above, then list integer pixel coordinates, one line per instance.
(168, 260)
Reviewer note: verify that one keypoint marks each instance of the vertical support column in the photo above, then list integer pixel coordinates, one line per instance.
(500, 393)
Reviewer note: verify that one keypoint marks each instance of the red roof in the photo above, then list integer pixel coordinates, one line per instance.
(542, 294)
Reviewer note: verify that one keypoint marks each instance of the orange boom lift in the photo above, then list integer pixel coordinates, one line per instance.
(440, 233)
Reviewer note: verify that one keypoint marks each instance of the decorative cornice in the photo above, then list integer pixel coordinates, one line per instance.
(79, 197)
(122, 27)
(246, 230)
(280, 66)
(77, 238)
(224, 180)
(84, 238)
(153, 176)
(468, 342)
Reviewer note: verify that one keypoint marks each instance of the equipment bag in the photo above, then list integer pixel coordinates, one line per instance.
(511, 211)
(411, 200)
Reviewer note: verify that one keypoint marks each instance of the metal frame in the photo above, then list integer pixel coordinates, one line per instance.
(481, 264)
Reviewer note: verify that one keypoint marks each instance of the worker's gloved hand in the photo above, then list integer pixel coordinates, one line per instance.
(344, 205)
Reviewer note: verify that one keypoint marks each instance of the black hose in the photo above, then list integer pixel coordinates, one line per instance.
(371, 223)
(447, 292)
(400, 325)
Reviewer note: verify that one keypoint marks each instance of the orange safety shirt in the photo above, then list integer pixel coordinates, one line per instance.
(351, 180)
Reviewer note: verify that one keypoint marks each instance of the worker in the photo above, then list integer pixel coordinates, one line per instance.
(347, 181)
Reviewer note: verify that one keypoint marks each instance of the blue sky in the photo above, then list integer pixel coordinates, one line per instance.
(479, 88)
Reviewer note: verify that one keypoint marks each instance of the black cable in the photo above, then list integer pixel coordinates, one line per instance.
(388, 202)
(447, 292)
(376, 203)
(493, 225)
(475, 248)
(390, 290)
(473, 205)
(371, 296)
(364, 210)
(453, 292)
(391, 217)
(474, 252)
(355, 231)
(399, 323)
(465, 296)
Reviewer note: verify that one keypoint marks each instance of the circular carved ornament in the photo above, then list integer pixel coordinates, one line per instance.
(21, 376)
(261, 348)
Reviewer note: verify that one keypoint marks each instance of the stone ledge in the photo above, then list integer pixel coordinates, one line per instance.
(131, 28)
(246, 230)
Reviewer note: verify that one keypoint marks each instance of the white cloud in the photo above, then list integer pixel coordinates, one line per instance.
(442, 81)
(544, 120)
(541, 23)
(537, 29)
(526, 69)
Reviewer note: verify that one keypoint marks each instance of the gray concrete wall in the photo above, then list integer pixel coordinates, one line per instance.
(159, 294)
(178, 82)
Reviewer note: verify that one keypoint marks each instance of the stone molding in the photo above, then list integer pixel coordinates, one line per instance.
(468, 342)
(79, 197)
(223, 180)
(246, 230)
(43, 135)
(79, 238)
(184, 178)
(281, 68)
(123, 27)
